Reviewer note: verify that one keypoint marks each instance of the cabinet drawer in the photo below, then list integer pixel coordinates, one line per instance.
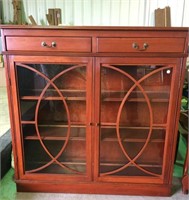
(140, 45)
(65, 44)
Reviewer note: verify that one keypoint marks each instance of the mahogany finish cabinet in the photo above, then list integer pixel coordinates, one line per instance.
(94, 109)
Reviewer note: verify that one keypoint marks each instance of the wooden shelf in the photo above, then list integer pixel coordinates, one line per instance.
(73, 125)
(27, 122)
(59, 138)
(131, 165)
(65, 162)
(114, 99)
(131, 140)
(54, 132)
(102, 125)
(75, 95)
(121, 126)
(55, 168)
(57, 124)
(53, 98)
(35, 93)
(106, 164)
(142, 100)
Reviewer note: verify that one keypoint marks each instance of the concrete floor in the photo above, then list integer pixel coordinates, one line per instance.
(4, 113)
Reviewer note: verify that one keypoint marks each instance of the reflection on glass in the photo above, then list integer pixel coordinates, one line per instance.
(134, 105)
(53, 126)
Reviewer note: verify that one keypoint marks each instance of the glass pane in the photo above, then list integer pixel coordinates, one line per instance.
(53, 117)
(134, 106)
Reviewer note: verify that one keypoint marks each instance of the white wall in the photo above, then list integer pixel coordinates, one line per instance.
(103, 12)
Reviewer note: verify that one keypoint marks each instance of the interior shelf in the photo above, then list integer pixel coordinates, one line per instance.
(107, 95)
(79, 166)
(35, 93)
(136, 100)
(102, 125)
(55, 124)
(163, 92)
(132, 140)
(32, 137)
(54, 132)
(122, 126)
(131, 165)
(52, 98)
(114, 99)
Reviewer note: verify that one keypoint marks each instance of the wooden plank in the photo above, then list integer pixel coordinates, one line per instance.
(163, 17)
(17, 9)
(32, 20)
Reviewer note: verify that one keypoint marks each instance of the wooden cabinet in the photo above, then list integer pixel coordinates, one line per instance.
(94, 109)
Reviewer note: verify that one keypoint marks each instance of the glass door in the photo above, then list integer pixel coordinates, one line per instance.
(133, 119)
(53, 98)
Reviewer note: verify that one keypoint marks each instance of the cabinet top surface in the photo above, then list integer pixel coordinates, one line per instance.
(120, 28)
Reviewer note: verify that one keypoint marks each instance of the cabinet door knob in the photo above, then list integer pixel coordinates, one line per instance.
(44, 44)
(97, 124)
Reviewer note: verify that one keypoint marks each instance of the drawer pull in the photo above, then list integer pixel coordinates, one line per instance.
(136, 46)
(44, 44)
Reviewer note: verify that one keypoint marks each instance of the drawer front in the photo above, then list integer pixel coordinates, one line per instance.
(65, 44)
(140, 45)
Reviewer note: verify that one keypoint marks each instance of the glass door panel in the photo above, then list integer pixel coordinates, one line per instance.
(133, 118)
(53, 104)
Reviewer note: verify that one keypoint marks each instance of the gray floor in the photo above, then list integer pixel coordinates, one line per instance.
(4, 114)
(177, 195)
(48, 196)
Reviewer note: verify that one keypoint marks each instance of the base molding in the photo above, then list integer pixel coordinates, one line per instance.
(95, 188)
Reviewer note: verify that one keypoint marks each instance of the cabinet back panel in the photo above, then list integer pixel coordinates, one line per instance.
(153, 153)
(39, 157)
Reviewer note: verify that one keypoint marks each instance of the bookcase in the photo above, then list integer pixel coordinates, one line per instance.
(94, 109)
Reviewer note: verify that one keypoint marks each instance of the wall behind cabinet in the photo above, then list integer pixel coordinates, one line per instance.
(102, 12)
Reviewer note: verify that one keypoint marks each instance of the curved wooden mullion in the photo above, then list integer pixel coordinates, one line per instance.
(137, 83)
(131, 161)
(54, 159)
(68, 69)
(151, 121)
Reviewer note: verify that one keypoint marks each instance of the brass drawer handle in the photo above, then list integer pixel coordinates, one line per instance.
(44, 44)
(137, 47)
